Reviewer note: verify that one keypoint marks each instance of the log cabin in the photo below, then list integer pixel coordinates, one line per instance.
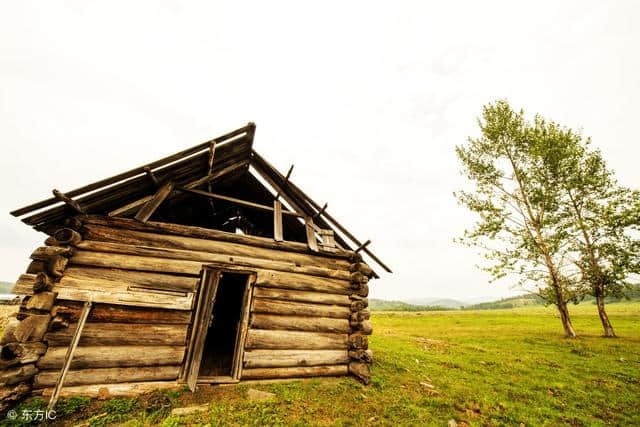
(206, 266)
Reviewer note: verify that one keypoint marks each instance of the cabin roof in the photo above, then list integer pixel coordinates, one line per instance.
(226, 158)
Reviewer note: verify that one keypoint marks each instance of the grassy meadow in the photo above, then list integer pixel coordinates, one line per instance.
(491, 367)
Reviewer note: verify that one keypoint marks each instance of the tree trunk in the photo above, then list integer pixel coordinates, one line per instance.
(566, 320)
(606, 324)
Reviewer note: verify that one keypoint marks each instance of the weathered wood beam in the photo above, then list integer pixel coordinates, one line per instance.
(71, 310)
(132, 278)
(97, 334)
(152, 205)
(302, 296)
(297, 372)
(107, 376)
(286, 180)
(69, 356)
(300, 323)
(270, 306)
(113, 356)
(293, 358)
(277, 221)
(115, 390)
(311, 235)
(295, 340)
(235, 200)
(300, 282)
(130, 207)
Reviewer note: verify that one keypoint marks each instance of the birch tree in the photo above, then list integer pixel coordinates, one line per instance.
(602, 219)
(514, 168)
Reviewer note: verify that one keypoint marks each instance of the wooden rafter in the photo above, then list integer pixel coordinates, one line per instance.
(259, 162)
(152, 205)
(237, 201)
(181, 172)
(133, 206)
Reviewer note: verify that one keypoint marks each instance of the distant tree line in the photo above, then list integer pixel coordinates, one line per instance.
(550, 212)
(382, 305)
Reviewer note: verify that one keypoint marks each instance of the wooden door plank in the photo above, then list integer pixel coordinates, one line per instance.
(69, 356)
(244, 326)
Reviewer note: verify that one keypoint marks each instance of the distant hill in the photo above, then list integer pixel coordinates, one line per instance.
(512, 302)
(383, 305)
(443, 302)
(529, 299)
(5, 287)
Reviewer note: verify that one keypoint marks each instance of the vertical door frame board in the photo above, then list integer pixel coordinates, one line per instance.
(184, 369)
(243, 328)
(206, 301)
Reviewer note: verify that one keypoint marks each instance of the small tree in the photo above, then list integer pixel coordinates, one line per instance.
(515, 168)
(600, 216)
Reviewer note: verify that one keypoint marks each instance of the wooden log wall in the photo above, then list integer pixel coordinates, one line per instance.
(23, 342)
(314, 303)
(308, 311)
(310, 326)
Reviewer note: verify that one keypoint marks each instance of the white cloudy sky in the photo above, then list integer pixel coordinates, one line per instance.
(367, 99)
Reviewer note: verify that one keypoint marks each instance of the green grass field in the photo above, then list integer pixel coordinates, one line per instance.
(499, 367)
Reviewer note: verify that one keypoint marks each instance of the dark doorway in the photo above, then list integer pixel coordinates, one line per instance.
(219, 347)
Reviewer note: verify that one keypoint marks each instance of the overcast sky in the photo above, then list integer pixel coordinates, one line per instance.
(367, 99)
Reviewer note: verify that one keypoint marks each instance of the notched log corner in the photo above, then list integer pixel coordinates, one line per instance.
(360, 371)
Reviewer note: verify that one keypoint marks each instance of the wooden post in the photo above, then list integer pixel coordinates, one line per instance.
(67, 360)
(311, 236)
(277, 221)
(286, 179)
(212, 153)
